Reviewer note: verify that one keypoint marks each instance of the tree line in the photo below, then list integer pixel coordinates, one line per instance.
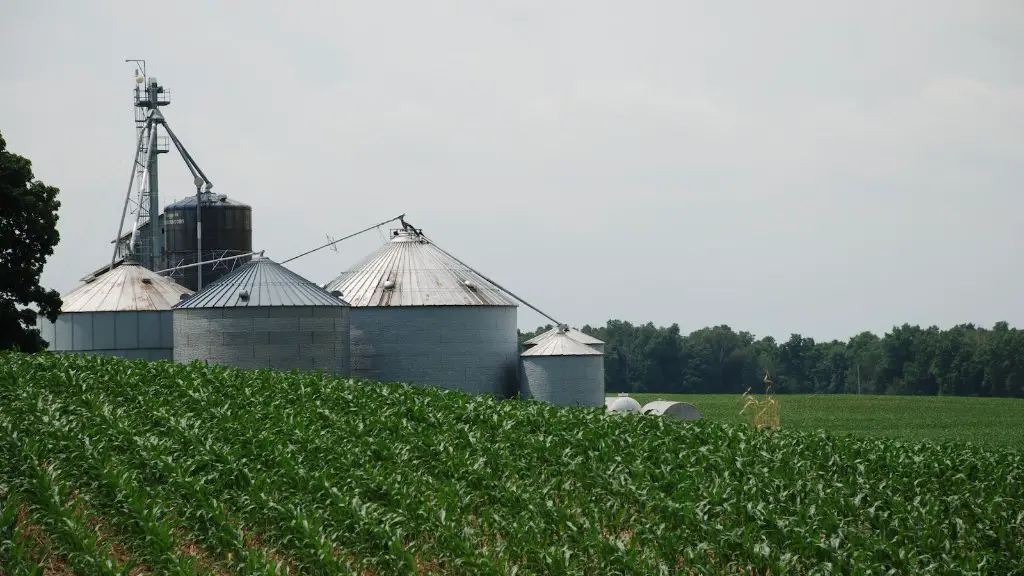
(965, 360)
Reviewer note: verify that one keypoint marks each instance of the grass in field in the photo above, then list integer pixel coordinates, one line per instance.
(987, 421)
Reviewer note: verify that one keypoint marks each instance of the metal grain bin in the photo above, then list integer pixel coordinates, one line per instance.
(562, 371)
(263, 315)
(573, 333)
(124, 312)
(421, 317)
(671, 409)
(227, 231)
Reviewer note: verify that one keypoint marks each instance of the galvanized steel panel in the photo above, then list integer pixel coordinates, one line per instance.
(577, 335)
(104, 331)
(82, 327)
(126, 330)
(133, 335)
(125, 288)
(268, 284)
(259, 341)
(406, 345)
(564, 380)
(166, 331)
(560, 344)
(421, 274)
(63, 334)
(149, 328)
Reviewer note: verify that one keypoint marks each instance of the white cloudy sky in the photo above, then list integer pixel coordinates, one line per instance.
(821, 167)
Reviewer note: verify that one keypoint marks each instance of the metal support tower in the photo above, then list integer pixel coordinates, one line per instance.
(149, 96)
(148, 250)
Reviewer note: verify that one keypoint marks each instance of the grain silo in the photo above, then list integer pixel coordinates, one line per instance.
(263, 315)
(562, 371)
(577, 335)
(420, 316)
(227, 232)
(672, 409)
(125, 312)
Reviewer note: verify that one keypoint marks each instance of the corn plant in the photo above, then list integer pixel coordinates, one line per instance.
(195, 469)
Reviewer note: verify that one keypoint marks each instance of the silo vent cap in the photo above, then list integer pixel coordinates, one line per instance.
(147, 280)
(469, 284)
(389, 284)
(336, 293)
(243, 295)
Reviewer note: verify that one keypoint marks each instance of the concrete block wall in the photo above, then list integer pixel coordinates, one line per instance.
(469, 348)
(129, 334)
(564, 380)
(283, 338)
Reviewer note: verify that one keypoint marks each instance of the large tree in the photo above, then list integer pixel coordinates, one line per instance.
(28, 235)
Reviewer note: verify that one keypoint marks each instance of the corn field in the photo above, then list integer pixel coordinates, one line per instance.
(111, 466)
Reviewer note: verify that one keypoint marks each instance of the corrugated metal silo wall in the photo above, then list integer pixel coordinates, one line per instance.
(227, 231)
(564, 380)
(470, 348)
(283, 338)
(145, 335)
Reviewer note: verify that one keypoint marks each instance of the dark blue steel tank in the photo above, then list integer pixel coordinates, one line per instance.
(227, 231)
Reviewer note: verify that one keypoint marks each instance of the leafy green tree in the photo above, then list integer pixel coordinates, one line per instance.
(28, 235)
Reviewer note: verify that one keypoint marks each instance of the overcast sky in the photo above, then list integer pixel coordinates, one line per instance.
(820, 167)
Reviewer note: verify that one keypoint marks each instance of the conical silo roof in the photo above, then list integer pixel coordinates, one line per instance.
(129, 287)
(573, 333)
(561, 344)
(411, 271)
(261, 282)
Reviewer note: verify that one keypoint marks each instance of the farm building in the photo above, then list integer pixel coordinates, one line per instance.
(125, 312)
(562, 371)
(622, 403)
(422, 317)
(672, 409)
(263, 315)
(573, 333)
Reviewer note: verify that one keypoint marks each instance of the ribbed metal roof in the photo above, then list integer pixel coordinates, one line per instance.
(129, 287)
(560, 344)
(573, 333)
(208, 200)
(261, 282)
(410, 271)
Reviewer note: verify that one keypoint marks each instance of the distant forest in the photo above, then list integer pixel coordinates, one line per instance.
(965, 360)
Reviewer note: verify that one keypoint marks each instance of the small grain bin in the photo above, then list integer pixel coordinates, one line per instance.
(622, 403)
(420, 316)
(263, 315)
(562, 371)
(577, 335)
(670, 409)
(124, 312)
